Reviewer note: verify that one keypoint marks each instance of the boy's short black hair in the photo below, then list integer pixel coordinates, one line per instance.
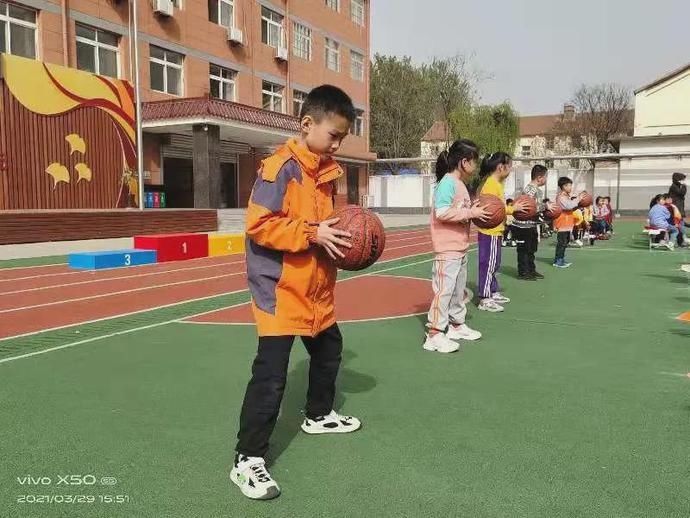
(328, 99)
(563, 181)
(509, 201)
(538, 171)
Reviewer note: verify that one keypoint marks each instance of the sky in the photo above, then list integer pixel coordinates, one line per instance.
(536, 53)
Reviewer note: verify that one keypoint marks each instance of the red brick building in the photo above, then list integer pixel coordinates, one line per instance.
(220, 79)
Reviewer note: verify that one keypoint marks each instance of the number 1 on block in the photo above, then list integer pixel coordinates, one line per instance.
(184, 247)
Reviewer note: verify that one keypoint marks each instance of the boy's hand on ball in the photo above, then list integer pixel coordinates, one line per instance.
(520, 206)
(329, 238)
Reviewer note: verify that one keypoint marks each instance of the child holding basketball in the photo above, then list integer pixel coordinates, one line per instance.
(450, 236)
(292, 283)
(494, 170)
(566, 221)
(525, 231)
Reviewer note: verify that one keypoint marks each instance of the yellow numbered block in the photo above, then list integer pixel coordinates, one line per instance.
(225, 244)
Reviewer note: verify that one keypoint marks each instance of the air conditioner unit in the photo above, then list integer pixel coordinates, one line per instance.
(282, 54)
(235, 35)
(163, 7)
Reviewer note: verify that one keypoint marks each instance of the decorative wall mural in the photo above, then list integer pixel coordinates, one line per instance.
(94, 118)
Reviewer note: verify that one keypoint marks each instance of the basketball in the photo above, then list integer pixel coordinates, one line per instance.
(586, 199)
(368, 237)
(530, 213)
(496, 209)
(553, 214)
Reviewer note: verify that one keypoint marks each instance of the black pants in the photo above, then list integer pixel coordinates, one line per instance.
(562, 244)
(528, 243)
(269, 374)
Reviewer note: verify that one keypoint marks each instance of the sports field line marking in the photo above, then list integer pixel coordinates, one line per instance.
(158, 324)
(129, 268)
(676, 374)
(123, 270)
(112, 293)
(119, 278)
(244, 324)
(29, 267)
(368, 274)
(407, 246)
(147, 310)
(87, 340)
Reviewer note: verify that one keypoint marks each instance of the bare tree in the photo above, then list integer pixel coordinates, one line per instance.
(598, 114)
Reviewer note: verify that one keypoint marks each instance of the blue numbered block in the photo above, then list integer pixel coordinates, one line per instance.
(111, 259)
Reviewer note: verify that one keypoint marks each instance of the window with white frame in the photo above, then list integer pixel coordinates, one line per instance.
(357, 11)
(17, 30)
(332, 54)
(222, 12)
(357, 65)
(98, 51)
(166, 71)
(272, 97)
(223, 85)
(358, 126)
(298, 99)
(333, 4)
(271, 28)
(301, 46)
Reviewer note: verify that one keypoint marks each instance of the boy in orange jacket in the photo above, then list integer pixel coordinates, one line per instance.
(292, 282)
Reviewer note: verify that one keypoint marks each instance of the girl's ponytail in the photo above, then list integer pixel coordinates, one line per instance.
(461, 149)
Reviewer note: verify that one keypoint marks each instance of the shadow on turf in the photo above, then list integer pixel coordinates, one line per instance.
(674, 278)
(291, 416)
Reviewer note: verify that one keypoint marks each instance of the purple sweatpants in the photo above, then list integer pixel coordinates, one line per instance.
(489, 263)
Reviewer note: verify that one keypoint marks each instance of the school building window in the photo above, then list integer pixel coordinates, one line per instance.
(298, 99)
(17, 30)
(272, 97)
(166, 71)
(301, 46)
(271, 28)
(333, 4)
(332, 55)
(98, 51)
(222, 83)
(222, 12)
(357, 65)
(357, 11)
(358, 126)
(526, 150)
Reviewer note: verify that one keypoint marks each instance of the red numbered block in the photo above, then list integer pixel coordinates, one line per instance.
(174, 247)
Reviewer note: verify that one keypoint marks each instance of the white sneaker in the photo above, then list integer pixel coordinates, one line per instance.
(578, 243)
(463, 332)
(500, 299)
(331, 423)
(491, 306)
(253, 479)
(685, 268)
(670, 245)
(440, 343)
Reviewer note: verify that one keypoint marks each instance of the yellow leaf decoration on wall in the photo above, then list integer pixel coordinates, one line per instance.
(83, 172)
(59, 173)
(76, 143)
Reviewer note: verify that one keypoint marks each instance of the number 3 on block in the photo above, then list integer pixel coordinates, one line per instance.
(128, 259)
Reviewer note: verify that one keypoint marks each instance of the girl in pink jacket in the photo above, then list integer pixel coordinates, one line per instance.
(451, 214)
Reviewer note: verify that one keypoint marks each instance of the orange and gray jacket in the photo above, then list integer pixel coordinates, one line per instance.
(291, 279)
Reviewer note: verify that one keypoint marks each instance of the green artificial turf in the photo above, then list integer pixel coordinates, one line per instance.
(574, 404)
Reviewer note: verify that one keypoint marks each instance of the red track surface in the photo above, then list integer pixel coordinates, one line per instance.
(41, 298)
